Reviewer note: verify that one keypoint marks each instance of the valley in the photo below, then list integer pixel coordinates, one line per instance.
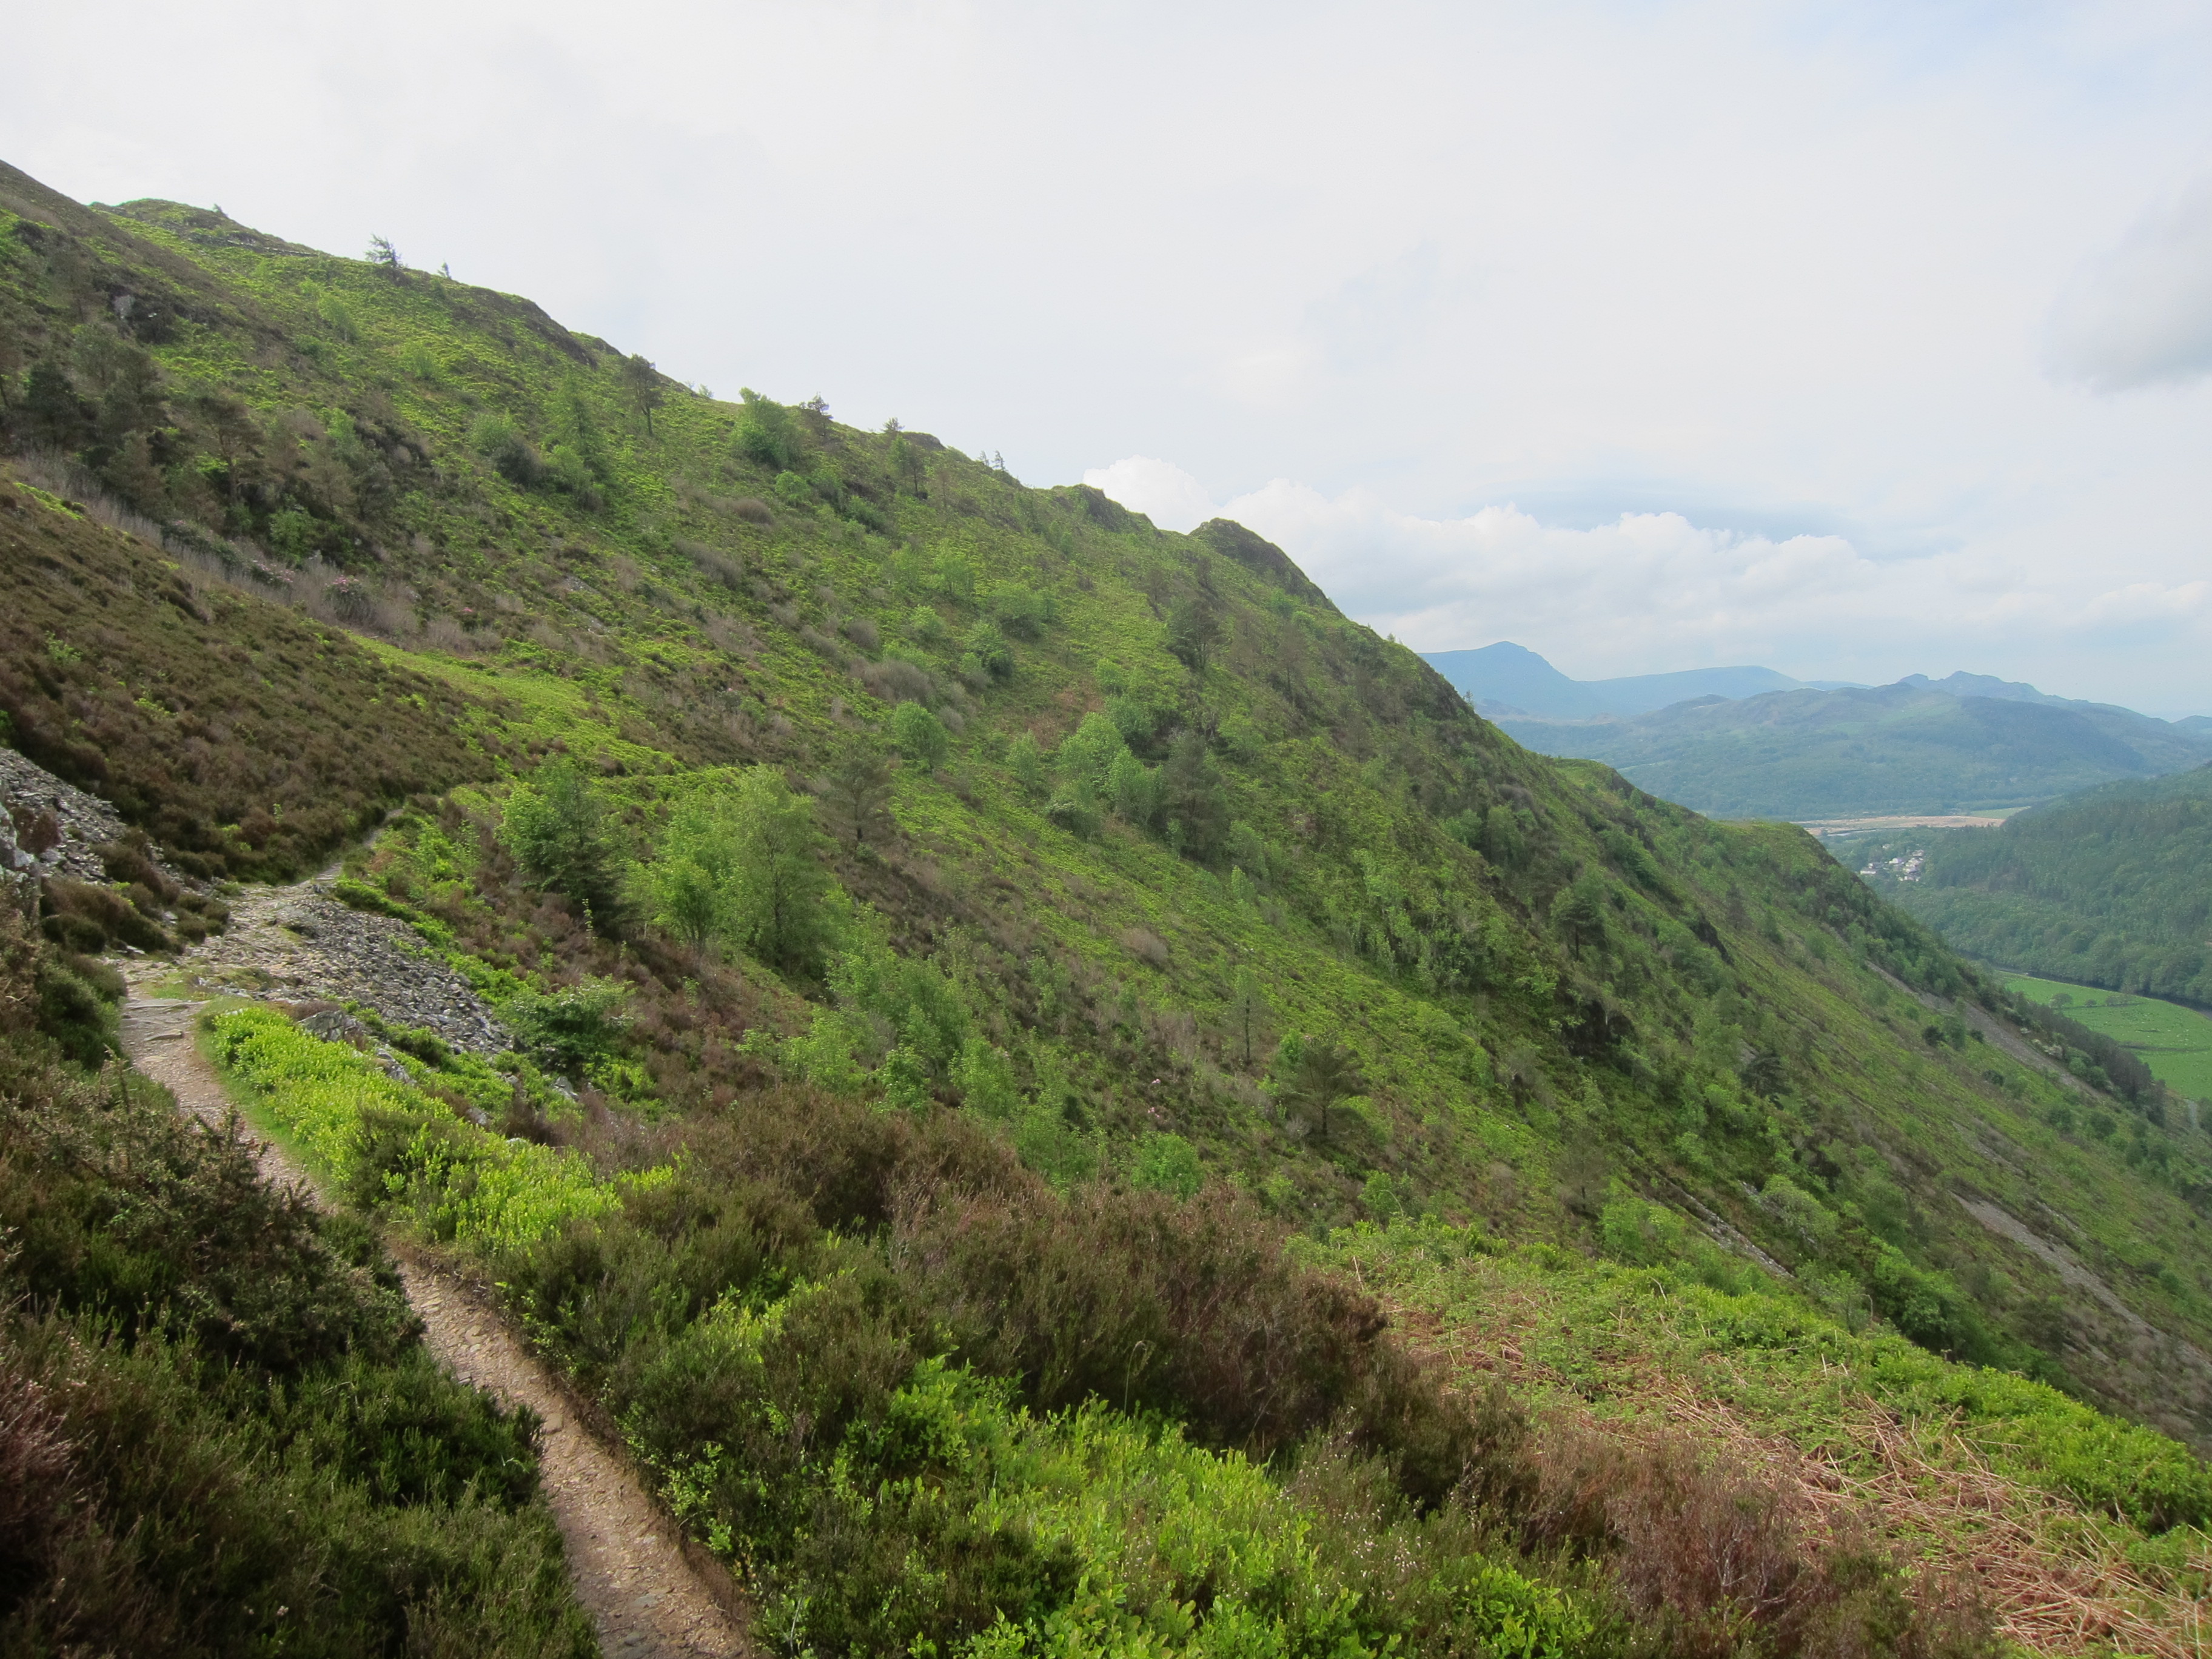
(2174, 1042)
(1037, 1088)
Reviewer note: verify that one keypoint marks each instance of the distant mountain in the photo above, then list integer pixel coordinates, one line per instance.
(2112, 887)
(1914, 747)
(1507, 679)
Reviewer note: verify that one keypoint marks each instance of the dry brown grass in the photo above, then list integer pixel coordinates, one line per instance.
(2052, 1581)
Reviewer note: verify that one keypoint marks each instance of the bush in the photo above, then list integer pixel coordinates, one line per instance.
(989, 647)
(1134, 789)
(766, 434)
(386, 1144)
(1022, 613)
(1167, 1163)
(895, 680)
(571, 1028)
(920, 736)
(1025, 761)
(500, 441)
(1074, 807)
(1088, 753)
(218, 1433)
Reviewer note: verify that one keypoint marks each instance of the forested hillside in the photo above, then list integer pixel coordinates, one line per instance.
(1027, 1027)
(1929, 747)
(2111, 887)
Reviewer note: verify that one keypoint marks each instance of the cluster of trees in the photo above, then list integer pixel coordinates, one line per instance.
(789, 443)
(2112, 888)
(576, 463)
(738, 865)
(1095, 771)
(303, 482)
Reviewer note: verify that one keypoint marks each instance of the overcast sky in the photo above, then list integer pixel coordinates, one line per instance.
(1854, 340)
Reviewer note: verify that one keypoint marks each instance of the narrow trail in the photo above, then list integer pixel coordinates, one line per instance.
(630, 1570)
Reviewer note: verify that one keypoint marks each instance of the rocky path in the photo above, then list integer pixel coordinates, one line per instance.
(629, 1564)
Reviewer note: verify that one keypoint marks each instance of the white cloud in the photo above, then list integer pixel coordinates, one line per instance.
(1697, 255)
(1650, 591)
(1161, 490)
(2142, 315)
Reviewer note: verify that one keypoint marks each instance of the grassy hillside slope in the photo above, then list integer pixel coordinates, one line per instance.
(2111, 887)
(1009, 1119)
(1890, 749)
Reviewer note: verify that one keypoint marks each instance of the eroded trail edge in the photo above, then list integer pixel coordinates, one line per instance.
(630, 1568)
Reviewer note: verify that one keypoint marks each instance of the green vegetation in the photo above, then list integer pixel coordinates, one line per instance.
(219, 1432)
(2112, 887)
(246, 738)
(843, 1340)
(2174, 1042)
(921, 1211)
(1896, 749)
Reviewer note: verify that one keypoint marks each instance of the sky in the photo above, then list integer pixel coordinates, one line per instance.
(1855, 340)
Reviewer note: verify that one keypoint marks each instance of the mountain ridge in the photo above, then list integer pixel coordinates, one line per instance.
(1509, 679)
(1913, 747)
(1006, 967)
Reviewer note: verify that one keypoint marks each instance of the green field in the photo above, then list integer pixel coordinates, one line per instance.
(2174, 1042)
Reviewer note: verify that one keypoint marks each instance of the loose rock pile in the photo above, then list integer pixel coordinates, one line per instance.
(300, 944)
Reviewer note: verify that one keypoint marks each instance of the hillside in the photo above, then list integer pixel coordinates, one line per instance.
(1911, 748)
(2174, 1042)
(1507, 679)
(952, 935)
(2110, 887)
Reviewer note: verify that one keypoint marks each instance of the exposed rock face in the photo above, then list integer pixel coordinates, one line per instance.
(41, 807)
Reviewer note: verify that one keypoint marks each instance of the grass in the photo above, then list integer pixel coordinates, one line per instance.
(2077, 1534)
(1582, 1017)
(2174, 1042)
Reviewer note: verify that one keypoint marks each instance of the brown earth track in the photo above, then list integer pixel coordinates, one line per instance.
(628, 1563)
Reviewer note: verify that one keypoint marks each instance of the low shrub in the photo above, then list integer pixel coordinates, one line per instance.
(271, 740)
(387, 1145)
(219, 1432)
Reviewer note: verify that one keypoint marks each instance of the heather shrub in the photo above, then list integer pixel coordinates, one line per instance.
(256, 759)
(1718, 1559)
(218, 1430)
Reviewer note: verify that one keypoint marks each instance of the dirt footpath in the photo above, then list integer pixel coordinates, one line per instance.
(629, 1567)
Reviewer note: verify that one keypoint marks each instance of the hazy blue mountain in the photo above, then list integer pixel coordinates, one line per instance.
(1509, 679)
(1913, 747)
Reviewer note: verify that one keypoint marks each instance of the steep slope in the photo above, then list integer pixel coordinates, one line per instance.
(2111, 887)
(1895, 748)
(1164, 829)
